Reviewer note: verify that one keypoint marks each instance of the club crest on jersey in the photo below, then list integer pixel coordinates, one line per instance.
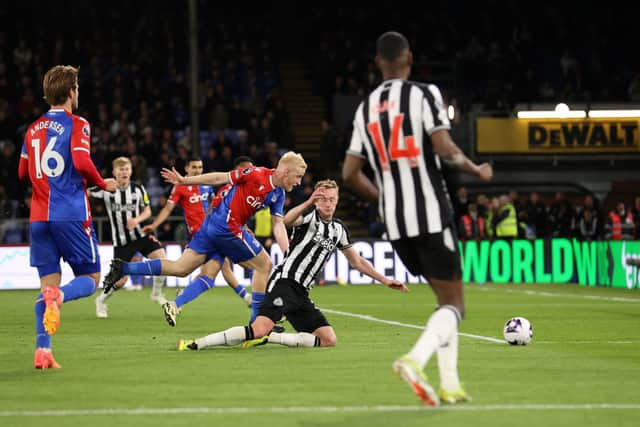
(325, 243)
(85, 131)
(278, 302)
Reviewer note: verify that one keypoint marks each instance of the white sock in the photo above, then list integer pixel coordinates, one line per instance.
(104, 297)
(232, 336)
(301, 339)
(158, 283)
(448, 364)
(440, 326)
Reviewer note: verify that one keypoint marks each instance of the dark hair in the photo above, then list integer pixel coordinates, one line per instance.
(390, 45)
(194, 159)
(241, 159)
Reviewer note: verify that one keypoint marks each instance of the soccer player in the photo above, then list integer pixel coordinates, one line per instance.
(195, 201)
(315, 237)
(223, 233)
(56, 159)
(127, 208)
(402, 131)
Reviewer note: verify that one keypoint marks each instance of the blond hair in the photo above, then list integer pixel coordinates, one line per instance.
(292, 159)
(57, 82)
(328, 184)
(121, 161)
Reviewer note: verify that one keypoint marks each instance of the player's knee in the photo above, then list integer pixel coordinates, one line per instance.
(266, 265)
(182, 271)
(328, 339)
(96, 280)
(261, 327)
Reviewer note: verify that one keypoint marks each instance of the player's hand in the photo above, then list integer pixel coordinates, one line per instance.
(317, 194)
(110, 185)
(148, 229)
(397, 285)
(485, 172)
(131, 223)
(172, 176)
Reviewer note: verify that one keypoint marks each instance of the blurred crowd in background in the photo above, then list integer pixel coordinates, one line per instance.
(134, 90)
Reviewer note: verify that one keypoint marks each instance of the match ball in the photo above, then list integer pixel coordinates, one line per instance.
(518, 331)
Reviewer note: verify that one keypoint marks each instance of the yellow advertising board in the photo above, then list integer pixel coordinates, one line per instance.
(553, 136)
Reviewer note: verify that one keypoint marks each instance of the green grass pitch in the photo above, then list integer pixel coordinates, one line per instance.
(581, 369)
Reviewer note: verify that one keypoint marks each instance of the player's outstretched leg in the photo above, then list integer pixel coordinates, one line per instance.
(184, 345)
(114, 274)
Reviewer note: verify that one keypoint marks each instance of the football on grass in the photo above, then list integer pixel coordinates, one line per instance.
(518, 331)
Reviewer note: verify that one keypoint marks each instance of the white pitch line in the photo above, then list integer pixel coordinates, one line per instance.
(406, 325)
(563, 295)
(326, 409)
(585, 342)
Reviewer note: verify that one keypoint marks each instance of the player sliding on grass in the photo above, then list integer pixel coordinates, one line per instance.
(222, 233)
(315, 237)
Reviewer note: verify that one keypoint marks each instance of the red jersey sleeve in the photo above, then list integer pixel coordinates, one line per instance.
(23, 166)
(81, 152)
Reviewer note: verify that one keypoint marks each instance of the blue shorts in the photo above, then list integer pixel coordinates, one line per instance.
(219, 244)
(73, 241)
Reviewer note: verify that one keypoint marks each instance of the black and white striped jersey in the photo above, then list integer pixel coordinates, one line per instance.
(311, 244)
(391, 130)
(121, 206)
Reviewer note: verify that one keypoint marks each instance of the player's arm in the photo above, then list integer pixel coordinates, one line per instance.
(293, 218)
(144, 215)
(451, 154)
(161, 217)
(280, 232)
(96, 192)
(143, 202)
(23, 166)
(363, 266)
(355, 160)
(211, 178)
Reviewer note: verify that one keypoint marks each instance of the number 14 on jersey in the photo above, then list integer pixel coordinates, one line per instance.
(396, 152)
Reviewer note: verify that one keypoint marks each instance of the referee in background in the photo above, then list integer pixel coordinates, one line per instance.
(402, 131)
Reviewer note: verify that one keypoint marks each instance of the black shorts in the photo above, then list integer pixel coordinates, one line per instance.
(144, 245)
(434, 256)
(290, 298)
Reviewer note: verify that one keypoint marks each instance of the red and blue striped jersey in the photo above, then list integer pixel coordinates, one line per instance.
(56, 148)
